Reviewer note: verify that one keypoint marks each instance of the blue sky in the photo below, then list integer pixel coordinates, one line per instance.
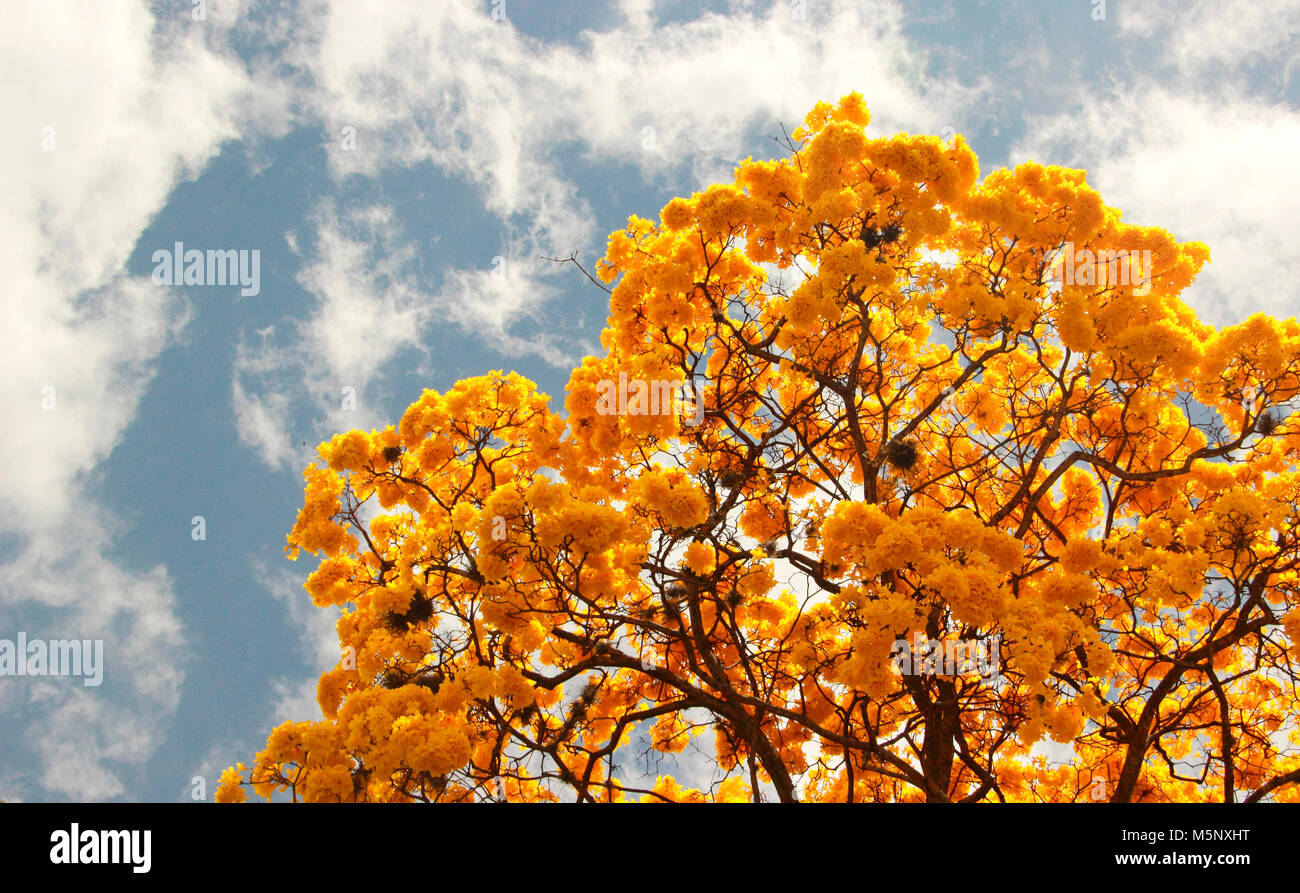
(401, 168)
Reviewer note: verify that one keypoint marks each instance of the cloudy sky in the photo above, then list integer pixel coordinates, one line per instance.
(401, 169)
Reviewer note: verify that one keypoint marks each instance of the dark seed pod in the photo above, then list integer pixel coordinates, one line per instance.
(731, 479)
(589, 693)
(1266, 424)
(395, 622)
(901, 454)
(891, 233)
(603, 647)
(421, 609)
(870, 237)
(734, 599)
(392, 679)
(392, 453)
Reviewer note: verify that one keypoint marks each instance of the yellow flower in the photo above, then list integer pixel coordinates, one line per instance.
(678, 214)
(229, 789)
(349, 451)
(701, 558)
(673, 495)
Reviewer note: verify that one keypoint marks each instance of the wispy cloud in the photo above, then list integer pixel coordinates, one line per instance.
(107, 109)
(1212, 169)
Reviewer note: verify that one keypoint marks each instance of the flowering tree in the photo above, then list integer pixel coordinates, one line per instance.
(933, 416)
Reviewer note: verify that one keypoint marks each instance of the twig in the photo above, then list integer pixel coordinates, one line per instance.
(573, 259)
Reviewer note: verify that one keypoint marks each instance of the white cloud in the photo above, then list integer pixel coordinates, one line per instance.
(1216, 170)
(295, 702)
(1203, 155)
(1202, 35)
(318, 627)
(263, 420)
(447, 84)
(77, 732)
(369, 305)
(295, 699)
(368, 309)
(703, 84)
(106, 110)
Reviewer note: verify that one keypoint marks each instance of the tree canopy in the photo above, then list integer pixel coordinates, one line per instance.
(929, 408)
